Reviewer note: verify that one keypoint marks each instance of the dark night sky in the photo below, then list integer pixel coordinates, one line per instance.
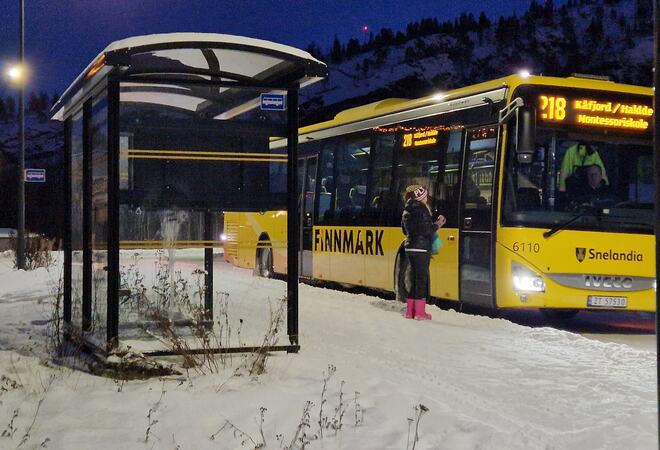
(62, 36)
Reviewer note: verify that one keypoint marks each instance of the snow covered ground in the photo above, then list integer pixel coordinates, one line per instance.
(487, 384)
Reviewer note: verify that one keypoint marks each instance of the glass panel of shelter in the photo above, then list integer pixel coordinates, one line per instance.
(76, 220)
(99, 218)
(176, 166)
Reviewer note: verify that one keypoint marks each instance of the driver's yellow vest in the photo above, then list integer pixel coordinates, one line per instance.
(578, 157)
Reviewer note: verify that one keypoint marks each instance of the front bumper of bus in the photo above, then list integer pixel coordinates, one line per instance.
(522, 286)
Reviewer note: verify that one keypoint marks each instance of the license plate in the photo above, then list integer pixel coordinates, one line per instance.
(607, 302)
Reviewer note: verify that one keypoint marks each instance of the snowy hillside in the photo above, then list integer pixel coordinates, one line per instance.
(487, 384)
(603, 37)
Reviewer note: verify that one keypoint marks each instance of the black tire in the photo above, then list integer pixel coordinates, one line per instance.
(265, 262)
(559, 314)
(401, 278)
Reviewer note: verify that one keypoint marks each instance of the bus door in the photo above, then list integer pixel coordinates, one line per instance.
(307, 173)
(475, 219)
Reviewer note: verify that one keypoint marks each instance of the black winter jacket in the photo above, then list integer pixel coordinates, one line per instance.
(418, 226)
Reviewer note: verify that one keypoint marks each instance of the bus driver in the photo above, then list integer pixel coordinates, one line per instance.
(576, 158)
(596, 191)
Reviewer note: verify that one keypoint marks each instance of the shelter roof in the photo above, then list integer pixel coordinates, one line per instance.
(195, 57)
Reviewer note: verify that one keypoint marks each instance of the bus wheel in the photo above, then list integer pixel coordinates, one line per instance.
(265, 262)
(401, 278)
(559, 314)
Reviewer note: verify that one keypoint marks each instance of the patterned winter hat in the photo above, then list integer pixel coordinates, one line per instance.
(417, 192)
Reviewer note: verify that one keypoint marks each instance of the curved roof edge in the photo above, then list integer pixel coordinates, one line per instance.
(139, 42)
(136, 44)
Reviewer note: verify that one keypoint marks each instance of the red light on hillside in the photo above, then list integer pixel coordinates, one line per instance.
(365, 28)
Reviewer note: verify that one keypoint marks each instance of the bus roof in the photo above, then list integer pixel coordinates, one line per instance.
(201, 55)
(393, 105)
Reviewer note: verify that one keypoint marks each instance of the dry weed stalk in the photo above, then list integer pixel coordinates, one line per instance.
(151, 421)
(26, 436)
(323, 421)
(270, 339)
(132, 292)
(7, 384)
(169, 335)
(238, 434)
(301, 437)
(11, 429)
(38, 250)
(262, 412)
(46, 388)
(337, 419)
(54, 332)
(359, 412)
(419, 411)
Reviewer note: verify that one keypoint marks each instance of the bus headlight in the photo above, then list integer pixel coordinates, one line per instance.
(524, 280)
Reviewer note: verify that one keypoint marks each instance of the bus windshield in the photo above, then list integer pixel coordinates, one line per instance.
(583, 180)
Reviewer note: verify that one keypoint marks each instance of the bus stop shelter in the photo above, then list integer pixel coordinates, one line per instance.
(165, 133)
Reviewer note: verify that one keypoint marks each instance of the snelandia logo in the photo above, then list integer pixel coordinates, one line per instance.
(582, 253)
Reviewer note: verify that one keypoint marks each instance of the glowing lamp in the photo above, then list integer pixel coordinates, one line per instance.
(16, 73)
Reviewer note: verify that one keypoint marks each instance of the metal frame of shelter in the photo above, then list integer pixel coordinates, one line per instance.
(136, 60)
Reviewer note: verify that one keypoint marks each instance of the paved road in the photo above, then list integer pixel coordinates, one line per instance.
(634, 329)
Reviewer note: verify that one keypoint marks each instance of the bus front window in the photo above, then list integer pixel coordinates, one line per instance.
(607, 180)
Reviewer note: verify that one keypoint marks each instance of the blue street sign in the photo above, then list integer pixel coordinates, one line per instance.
(35, 175)
(273, 102)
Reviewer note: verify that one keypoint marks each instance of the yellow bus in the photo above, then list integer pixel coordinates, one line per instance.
(546, 184)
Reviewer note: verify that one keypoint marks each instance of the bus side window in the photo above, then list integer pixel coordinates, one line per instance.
(379, 206)
(351, 181)
(446, 197)
(325, 212)
(416, 161)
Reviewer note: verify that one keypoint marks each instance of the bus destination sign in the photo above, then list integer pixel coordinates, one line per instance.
(420, 138)
(584, 111)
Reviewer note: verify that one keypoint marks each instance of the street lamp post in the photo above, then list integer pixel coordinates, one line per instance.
(20, 228)
(656, 152)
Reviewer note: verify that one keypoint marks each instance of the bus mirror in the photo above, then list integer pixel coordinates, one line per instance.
(525, 133)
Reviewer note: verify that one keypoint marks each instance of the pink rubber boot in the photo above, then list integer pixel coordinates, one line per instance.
(410, 308)
(420, 310)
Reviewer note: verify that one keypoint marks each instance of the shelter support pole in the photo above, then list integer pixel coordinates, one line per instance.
(293, 229)
(208, 265)
(112, 318)
(87, 217)
(66, 232)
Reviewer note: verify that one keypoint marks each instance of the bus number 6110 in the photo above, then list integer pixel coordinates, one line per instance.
(526, 247)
